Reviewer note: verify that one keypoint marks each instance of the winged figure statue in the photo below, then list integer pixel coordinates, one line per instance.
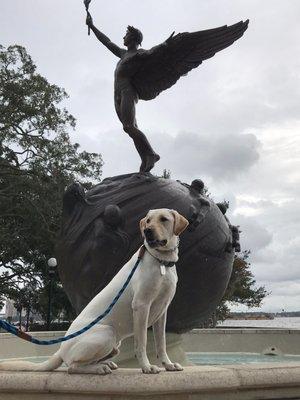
(143, 74)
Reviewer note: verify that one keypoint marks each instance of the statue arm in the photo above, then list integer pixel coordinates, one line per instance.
(116, 50)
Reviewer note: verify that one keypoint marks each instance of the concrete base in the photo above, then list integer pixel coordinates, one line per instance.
(250, 340)
(247, 382)
(230, 382)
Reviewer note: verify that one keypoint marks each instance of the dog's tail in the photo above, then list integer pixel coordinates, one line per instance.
(54, 362)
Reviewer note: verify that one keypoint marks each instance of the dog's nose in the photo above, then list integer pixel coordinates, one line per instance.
(148, 233)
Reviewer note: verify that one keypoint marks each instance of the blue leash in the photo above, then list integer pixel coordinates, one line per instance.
(25, 336)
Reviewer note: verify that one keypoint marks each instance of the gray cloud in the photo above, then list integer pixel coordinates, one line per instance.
(260, 204)
(219, 157)
(254, 237)
(186, 155)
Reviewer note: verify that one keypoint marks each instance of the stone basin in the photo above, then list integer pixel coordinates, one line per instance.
(271, 380)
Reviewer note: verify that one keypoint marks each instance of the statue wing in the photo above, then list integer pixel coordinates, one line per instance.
(160, 67)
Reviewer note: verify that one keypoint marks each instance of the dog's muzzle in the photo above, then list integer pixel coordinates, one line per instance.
(151, 240)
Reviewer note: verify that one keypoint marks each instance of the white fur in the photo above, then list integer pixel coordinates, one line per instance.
(143, 304)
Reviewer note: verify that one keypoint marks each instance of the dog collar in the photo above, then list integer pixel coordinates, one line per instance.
(142, 252)
(167, 264)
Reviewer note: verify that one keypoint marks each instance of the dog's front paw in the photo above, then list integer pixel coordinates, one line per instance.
(111, 365)
(103, 369)
(151, 369)
(172, 367)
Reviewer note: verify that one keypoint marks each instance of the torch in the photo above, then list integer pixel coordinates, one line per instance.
(87, 4)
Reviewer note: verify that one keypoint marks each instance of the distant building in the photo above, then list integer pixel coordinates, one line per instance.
(10, 311)
(12, 315)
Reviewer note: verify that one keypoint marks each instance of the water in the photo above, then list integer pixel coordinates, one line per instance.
(213, 358)
(198, 358)
(284, 323)
(237, 358)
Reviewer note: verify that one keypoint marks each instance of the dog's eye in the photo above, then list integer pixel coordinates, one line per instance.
(163, 219)
(148, 221)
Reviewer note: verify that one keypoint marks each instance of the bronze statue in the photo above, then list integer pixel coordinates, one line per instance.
(100, 233)
(144, 74)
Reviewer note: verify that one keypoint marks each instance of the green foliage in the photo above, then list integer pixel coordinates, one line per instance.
(241, 288)
(37, 162)
(25, 298)
(60, 308)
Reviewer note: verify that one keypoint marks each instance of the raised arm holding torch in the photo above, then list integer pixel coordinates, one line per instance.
(87, 4)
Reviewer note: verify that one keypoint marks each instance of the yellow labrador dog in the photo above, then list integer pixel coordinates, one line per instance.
(144, 303)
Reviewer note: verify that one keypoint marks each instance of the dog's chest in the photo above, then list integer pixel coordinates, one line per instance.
(168, 276)
(164, 282)
(165, 276)
(163, 295)
(152, 281)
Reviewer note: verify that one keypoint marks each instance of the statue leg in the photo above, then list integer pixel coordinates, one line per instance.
(126, 113)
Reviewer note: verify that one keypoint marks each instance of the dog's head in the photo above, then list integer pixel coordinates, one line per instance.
(160, 227)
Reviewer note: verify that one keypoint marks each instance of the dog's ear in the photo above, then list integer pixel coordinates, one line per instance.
(180, 223)
(143, 225)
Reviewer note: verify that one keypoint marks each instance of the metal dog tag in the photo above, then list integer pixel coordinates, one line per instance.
(163, 270)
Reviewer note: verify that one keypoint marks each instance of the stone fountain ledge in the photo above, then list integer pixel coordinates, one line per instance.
(256, 381)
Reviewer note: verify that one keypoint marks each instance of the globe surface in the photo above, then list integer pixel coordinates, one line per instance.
(100, 233)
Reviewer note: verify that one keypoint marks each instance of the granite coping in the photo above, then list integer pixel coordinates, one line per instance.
(42, 334)
(197, 331)
(244, 331)
(129, 383)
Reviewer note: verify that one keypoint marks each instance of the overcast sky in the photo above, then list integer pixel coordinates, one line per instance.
(234, 122)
